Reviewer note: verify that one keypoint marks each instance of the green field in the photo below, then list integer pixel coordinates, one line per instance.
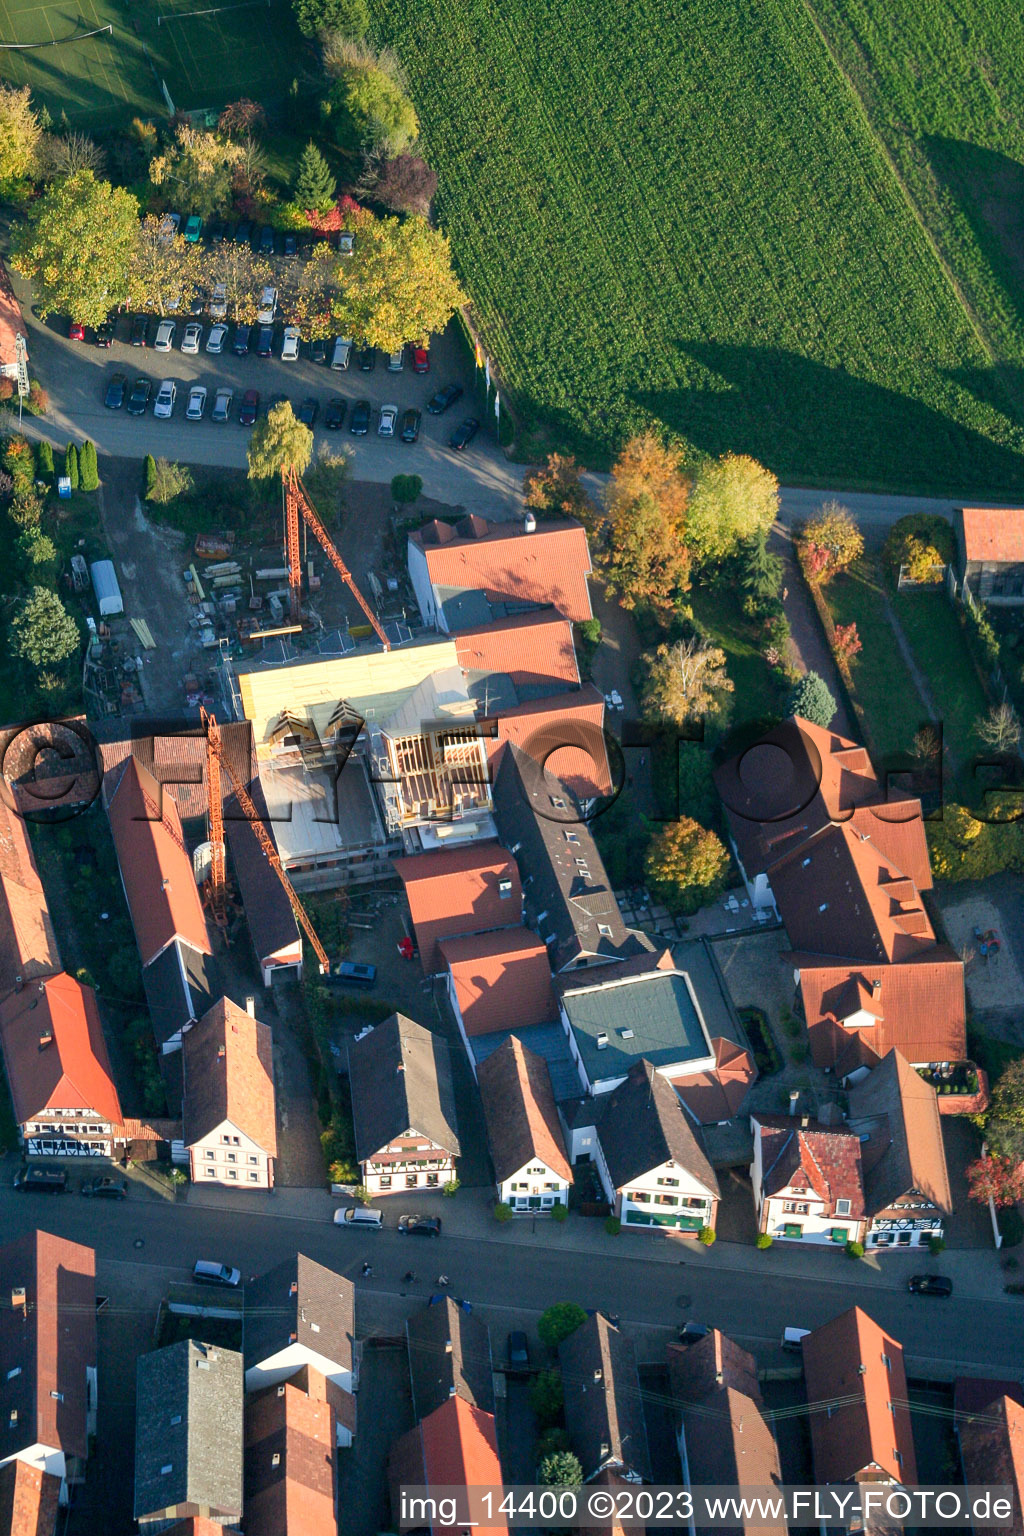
(97, 82)
(246, 48)
(679, 209)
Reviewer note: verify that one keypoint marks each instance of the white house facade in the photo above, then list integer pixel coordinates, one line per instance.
(535, 1187)
(226, 1155)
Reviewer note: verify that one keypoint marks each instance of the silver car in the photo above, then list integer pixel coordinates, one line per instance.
(219, 302)
(196, 403)
(163, 405)
(217, 337)
(192, 337)
(222, 405)
(388, 418)
(164, 336)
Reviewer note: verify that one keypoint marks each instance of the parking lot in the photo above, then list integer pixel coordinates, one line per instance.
(76, 375)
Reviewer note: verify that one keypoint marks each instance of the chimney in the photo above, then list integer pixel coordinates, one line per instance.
(805, 1121)
(602, 1041)
(18, 983)
(598, 1374)
(221, 1053)
(45, 1038)
(165, 884)
(529, 523)
(250, 1007)
(794, 1100)
(18, 1298)
(876, 986)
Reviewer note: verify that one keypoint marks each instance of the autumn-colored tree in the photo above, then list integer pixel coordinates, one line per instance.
(405, 183)
(240, 119)
(835, 540)
(20, 136)
(1004, 1121)
(686, 865)
(734, 499)
(398, 285)
(76, 247)
(556, 489)
(309, 298)
(998, 1179)
(649, 466)
(688, 681)
(243, 275)
(198, 168)
(920, 561)
(641, 553)
(846, 641)
(999, 728)
(165, 271)
(279, 442)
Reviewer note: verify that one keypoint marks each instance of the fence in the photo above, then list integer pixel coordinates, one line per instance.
(960, 592)
(933, 579)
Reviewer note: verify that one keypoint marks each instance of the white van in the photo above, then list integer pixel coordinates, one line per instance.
(793, 1338)
(359, 1216)
(342, 354)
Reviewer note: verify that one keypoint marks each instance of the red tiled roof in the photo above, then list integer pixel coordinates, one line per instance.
(502, 980)
(994, 534)
(28, 944)
(229, 1075)
(73, 1069)
(867, 1432)
(29, 1500)
(455, 1446)
(534, 649)
(549, 566)
(992, 1449)
(11, 321)
(816, 1156)
(53, 1339)
(922, 1007)
(295, 1492)
(563, 734)
(520, 1111)
(155, 868)
(455, 891)
(717, 1095)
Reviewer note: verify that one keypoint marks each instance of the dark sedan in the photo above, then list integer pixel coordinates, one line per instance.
(138, 400)
(420, 1226)
(359, 421)
(464, 434)
(410, 426)
(240, 345)
(249, 408)
(308, 411)
(117, 388)
(334, 415)
(366, 357)
(105, 333)
(266, 246)
(140, 331)
(439, 403)
(265, 341)
(930, 1285)
(105, 1188)
(318, 350)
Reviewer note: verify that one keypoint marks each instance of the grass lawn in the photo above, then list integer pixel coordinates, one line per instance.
(95, 83)
(762, 285)
(212, 55)
(940, 650)
(718, 612)
(884, 687)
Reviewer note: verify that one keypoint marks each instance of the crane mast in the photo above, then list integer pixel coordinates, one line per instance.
(298, 505)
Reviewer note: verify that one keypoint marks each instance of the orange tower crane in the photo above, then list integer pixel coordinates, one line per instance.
(215, 761)
(298, 505)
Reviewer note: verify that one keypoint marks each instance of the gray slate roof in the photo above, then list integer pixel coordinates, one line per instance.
(547, 1040)
(641, 1124)
(568, 895)
(302, 1298)
(180, 985)
(202, 1388)
(449, 1355)
(268, 912)
(603, 1409)
(401, 1080)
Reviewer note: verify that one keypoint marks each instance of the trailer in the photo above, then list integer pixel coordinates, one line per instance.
(104, 584)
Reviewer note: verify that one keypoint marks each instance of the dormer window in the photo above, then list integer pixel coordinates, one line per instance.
(842, 1207)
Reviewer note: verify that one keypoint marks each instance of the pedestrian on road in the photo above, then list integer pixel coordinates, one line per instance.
(442, 1280)
(785, 593)
(408, 1276)
(642, 761)
(367, 1270)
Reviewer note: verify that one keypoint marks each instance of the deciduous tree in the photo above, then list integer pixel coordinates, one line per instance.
(558, 1321)
(166, 481)
(43, 633)
(405, 183)
(734, 498)
(999, 729)
(846, 641)
(197, 168)
(279, 442)
(367, 105)
(687, 680)
(640, 550)
(76, 246)
(243, 274)
(557, 490)
(812, 700)
(398, 286)
(242, 118)
(833, 540)
(998, 1179)
(69, 153)
(20, 135)
(165, 271)
(686, 865)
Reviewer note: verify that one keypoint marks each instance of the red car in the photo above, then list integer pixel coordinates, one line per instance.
(76, 332)
(249, 408)
(420, 360)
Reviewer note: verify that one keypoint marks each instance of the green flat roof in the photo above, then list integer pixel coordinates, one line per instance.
(659, 1011)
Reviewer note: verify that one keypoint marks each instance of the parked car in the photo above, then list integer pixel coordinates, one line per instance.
(164, 336)
(217, 337)
(388, 418)
(396, 360)
(420, 360)
(318, 350)
(464, 434)
(222, 404)
(193, 228)
(249, 409)
(106, 1188)
(240, 346)
(76, 332)
(359, 1216)
(411, 420)
(341, 356)
(117, 388)
(43, 1181)
(930, 1285)
(138, 400)
(290, 344)
(334, 415)
(105, 333)
(359, 421)
(351, 974)
(268, 306)
(290, 244)
(192, 337)
(170, 225)
(196, 408)
(140, 331)
(243, 234)
(219, 302)
(517, 1351)
(163, 405)
(420, 1226)
(367, 359)
(216, 231)
(265, 341)
(308, 411)
(197, 304)
(444, 399)
(208, 1272)
(266, 245)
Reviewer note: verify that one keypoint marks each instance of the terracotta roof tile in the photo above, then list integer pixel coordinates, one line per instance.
(533, 649)
(290, 1467)
(455, 1446)
(994, 534)
(717, 1095)
(229, 1075)
(899, 1113)
(992, 1450)
(156, 870)
(549, 566)
(11, 322)
(501, 979)
(868, 1431)
(922, 1004)
(519, 1108)
(28, 944)
(72, 1070)
(564, 735)
(29, 1500)
(826, 1159)
(455, 891)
